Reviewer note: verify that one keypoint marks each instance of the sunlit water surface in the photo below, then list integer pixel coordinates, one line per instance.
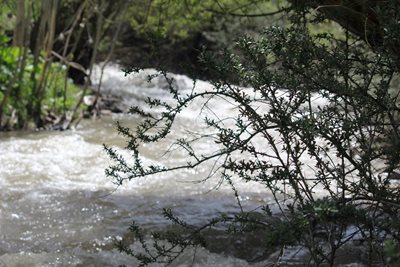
(57, 207)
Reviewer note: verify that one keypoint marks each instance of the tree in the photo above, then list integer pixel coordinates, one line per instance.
(351, 139)
(178, 19)
(42, 45)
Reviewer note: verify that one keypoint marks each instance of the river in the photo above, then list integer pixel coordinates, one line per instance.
(59, 209)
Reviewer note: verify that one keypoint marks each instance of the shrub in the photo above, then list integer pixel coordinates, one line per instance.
(17, 88)
(351, 137)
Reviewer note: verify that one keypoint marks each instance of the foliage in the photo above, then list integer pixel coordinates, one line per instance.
(328, 165)
(178, 19)
(393, 251)
(73, 33)
(16, 112)
(57, 100)
(43, 43)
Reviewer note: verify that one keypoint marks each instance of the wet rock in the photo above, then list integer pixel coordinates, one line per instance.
(105, 104)
(112, 103)
(247, 246)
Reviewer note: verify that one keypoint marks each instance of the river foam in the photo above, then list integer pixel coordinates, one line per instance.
(59, 209)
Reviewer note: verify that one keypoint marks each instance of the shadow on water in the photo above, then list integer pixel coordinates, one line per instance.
(49, 227)
(44, 227)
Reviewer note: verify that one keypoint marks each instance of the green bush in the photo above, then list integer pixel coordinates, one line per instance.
(179, 19)
(19, 85)
(352, 140)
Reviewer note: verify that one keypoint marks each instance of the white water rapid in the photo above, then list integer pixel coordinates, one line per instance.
(57, 208)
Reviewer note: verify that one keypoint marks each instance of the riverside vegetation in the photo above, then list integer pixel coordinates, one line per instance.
(47, 47)
(348, 194)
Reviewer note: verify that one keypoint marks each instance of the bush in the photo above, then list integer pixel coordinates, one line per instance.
(319, 98)
(18, 85)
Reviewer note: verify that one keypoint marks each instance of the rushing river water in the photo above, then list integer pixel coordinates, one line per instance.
(59, 209)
